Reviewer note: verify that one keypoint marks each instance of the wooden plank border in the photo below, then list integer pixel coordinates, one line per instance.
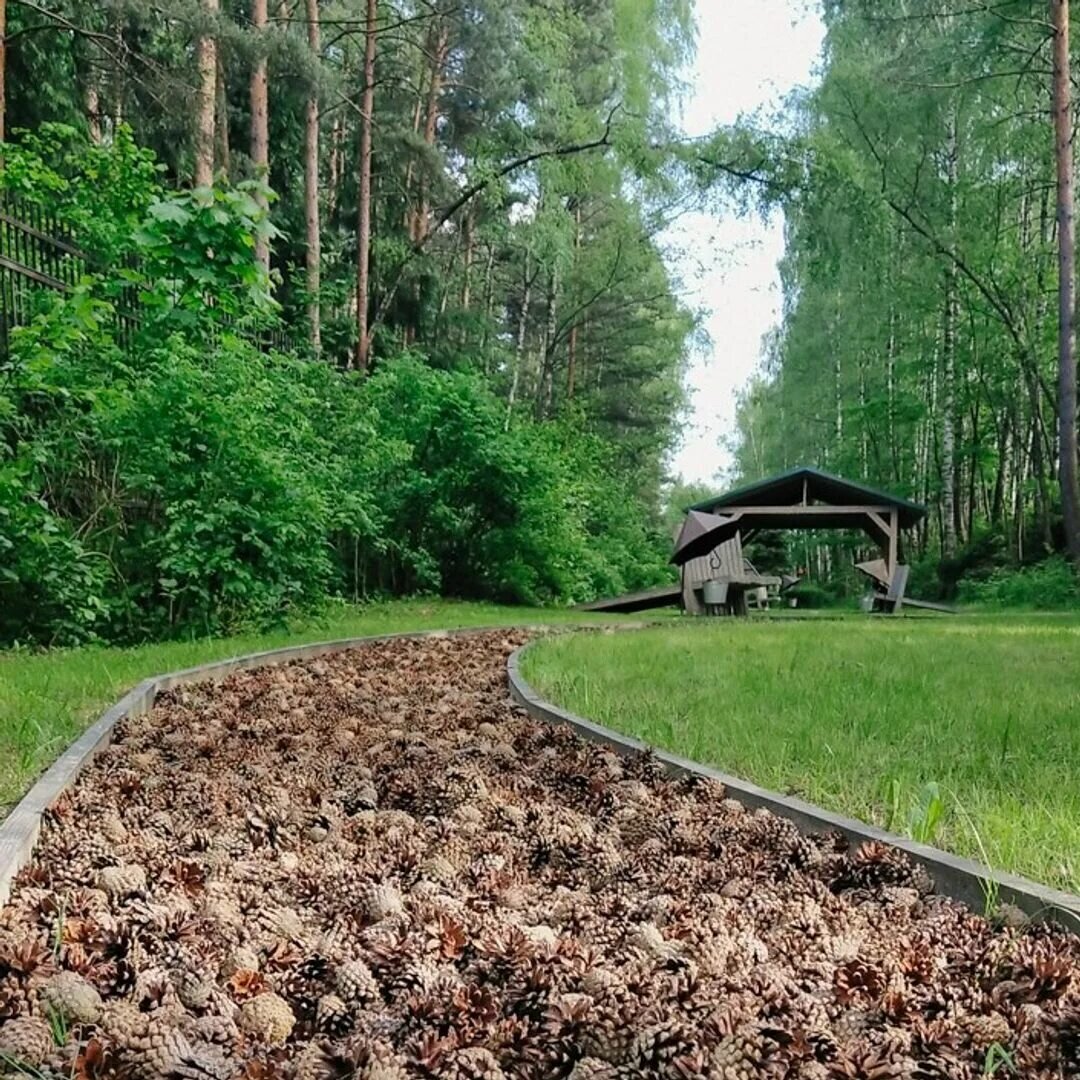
(20, 829)
(963, 879)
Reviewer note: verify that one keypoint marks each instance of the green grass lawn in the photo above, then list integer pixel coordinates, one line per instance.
(987, 707)
(47, 698)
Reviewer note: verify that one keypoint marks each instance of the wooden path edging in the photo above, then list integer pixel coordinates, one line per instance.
(19, 830)
(962, 879)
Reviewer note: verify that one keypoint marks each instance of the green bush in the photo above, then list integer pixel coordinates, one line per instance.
(1050, 585)
(191, 481)
(811, 595)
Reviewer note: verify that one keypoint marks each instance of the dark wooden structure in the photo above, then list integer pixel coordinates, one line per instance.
(644, 600)
(802, 498)
(725, 566)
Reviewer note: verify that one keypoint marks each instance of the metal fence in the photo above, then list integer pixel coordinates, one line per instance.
(38, 253)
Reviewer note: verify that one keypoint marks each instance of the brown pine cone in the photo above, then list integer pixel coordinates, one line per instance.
(26, 1041)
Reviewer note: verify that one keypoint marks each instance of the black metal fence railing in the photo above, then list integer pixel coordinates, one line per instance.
(38, 253)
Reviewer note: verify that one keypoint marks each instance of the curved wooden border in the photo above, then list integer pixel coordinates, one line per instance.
(962, 879)
(19, 830)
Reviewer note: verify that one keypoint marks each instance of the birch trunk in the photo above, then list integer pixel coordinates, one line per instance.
(206, 53)
(260, 121)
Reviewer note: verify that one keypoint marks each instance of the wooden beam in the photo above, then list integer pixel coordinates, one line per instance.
(797, 510)
(878, 520)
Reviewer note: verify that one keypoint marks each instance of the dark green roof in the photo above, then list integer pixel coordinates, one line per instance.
(787, 488)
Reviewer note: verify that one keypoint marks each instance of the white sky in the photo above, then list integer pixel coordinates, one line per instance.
(750, 54)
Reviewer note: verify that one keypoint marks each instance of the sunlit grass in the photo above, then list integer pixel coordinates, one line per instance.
(833, 710)
(47, 698)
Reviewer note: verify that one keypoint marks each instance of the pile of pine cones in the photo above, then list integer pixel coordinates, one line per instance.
(372, 865)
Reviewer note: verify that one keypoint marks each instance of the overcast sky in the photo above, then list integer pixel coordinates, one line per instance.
(750, 54)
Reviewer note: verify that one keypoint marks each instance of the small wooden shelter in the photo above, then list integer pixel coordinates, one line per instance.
(801, 498)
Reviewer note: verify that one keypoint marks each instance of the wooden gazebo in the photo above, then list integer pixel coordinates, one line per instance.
(802, 498)
(806, 498)
(716, 576)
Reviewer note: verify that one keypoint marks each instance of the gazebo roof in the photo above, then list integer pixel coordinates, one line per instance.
(815, 486)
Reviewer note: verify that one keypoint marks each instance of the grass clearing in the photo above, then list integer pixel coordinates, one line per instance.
(48, 697)
(860, 715)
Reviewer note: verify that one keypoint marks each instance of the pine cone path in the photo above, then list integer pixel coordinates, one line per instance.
(373, 865)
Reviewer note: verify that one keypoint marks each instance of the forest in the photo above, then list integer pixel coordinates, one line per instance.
(316, 299)
(919, 344)
(352, 298)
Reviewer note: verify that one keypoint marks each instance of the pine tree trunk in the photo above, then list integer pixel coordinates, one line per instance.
(440, 45)
(260, 121)
(363, 226)
(222, 152)
(3, 68)
(948, 356)
(1067, 439)
(204, 114)
(313, 252)
(469, 229)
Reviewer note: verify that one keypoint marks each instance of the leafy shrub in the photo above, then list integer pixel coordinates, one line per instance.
(1051, 585)
(191, 481)
(811, 595)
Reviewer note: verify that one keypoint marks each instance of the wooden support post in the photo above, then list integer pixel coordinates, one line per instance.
(894, 539)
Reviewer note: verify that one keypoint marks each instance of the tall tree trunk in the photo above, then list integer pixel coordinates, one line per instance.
(3, 68)
(260, 121)
(948, 356)
(92, 106)
(204, 115)
(469, 228)
(337, 165)
(363, 224)
(572, 342)
(546, 377)
(313, 252)
(222, 152)
(440, 42)
(1067, 447)
(519, 345)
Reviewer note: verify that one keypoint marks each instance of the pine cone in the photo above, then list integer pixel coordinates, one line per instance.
(120, 882)
(26, 1040)
(657, 1046)
(13, 999)
(158, 1049)
(333, 1017)
(738, 1056)
(356, 984)
(72, 997)
(857, 981)
(380, 901)
(267, 1017)
(305, 984)
(475, 1063)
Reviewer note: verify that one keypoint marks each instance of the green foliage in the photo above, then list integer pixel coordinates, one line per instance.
(162, 472)
(917, 349)
(1050, 585)
(810, 594)
(925, 811)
